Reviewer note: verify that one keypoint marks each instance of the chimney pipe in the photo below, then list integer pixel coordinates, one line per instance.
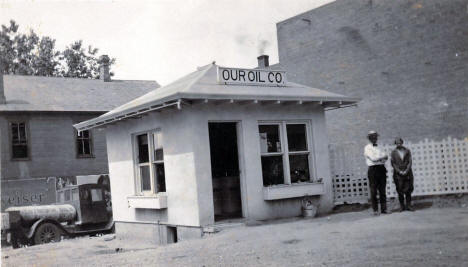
(263, 61)
(104, 73)
(2, 89)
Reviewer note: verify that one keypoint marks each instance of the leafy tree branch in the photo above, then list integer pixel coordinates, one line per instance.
(30, 54)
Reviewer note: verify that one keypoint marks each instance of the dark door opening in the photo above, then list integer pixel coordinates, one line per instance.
(171, 234)
(225, 170)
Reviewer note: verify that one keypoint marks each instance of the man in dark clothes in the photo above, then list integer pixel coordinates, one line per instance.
(377, 173)
(402, 174)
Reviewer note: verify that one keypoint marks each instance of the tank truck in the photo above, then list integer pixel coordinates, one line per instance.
(80, 210)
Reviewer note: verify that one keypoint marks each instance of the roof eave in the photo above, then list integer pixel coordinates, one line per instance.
(270, 98)
(136, 112)
(51, 110)
(178, 99)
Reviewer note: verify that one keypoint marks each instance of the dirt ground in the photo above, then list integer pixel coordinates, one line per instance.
(428, 237)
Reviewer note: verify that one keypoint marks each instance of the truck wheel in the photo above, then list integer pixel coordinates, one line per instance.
(46, 233)
(14, 240)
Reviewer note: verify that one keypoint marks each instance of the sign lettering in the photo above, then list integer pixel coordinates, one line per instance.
(251, 77)
(26, 192)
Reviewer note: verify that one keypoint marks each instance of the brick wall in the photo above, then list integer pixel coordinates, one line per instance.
(52, 147)
(406, 59)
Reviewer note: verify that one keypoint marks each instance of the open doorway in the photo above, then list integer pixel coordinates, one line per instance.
(225, 170)
(171, 234)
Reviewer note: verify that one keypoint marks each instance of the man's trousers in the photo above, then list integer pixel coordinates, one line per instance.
(377, 182)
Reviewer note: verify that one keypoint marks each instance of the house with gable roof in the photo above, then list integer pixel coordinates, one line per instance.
(37, 138)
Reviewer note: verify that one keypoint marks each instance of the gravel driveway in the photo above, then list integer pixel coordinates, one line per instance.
(428, 237)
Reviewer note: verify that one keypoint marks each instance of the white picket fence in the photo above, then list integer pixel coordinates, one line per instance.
(439, 167)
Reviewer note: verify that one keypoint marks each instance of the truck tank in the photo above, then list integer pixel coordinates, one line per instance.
(60, 213)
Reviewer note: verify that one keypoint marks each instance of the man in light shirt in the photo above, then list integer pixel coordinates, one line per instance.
(377, 174)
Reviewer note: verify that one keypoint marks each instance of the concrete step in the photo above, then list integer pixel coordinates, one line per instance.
(222, 225)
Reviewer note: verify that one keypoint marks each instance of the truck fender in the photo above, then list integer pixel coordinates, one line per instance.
(33, 228)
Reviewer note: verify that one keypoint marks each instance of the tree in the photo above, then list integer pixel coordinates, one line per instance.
(81, 62)
(24, 48)
(7, 50)
(29, 54)
(45, 63)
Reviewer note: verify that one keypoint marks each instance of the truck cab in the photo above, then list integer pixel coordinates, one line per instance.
(89, 200)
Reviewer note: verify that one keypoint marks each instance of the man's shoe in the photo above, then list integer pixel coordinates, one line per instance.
(376, 213)
(385, 212)
(401, 209)
(409, 208)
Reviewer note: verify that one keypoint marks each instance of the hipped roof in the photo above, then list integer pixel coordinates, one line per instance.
(36, 93)
(203, 85)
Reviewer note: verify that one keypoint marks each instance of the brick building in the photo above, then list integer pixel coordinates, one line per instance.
(407, 60)
(37, 137)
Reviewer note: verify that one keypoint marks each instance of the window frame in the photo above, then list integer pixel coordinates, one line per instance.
(285, 153)
(91, 145)
(151, 163)
(27, 137)
(304, 152)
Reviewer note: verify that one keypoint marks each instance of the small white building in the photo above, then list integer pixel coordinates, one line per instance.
(217, 144)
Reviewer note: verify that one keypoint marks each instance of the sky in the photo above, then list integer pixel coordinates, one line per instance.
(162, 40)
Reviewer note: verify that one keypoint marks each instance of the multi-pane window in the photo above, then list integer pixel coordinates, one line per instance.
(84, 144)
(158, 162)
(298, 152)
(150, 162)
(272, 154)
(19, 140)
(285, 153)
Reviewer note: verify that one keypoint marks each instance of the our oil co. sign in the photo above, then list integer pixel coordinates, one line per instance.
(251, 77)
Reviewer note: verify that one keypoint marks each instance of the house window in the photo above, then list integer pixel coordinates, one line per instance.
(19, 140)
(84, 144)
(150, 161)
(285, 153)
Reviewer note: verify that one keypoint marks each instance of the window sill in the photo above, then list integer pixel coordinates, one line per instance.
(85, 156)
(292, 190)
(20, 159)
(157, 202)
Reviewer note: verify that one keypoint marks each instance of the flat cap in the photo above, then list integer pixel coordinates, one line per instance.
(372, 133)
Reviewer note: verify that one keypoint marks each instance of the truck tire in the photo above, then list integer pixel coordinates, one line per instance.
(46, 233)
(14, 240)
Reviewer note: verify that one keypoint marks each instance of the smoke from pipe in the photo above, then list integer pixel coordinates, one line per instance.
(245, 39)
(262, 45)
